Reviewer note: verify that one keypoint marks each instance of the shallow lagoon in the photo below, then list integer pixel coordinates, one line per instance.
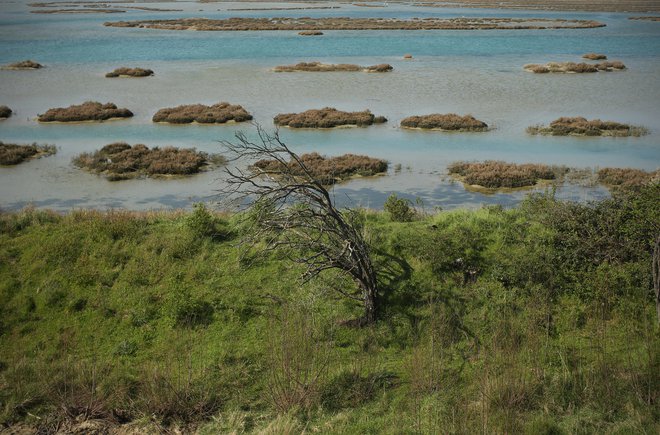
(478, 72)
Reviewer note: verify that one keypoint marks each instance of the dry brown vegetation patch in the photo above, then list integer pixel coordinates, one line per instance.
(5, 112)
(325, 170)
(594, 56)
(345, 23)
(448, 122)
(219, 113)
(310, 33)
(556, 5)
(325, 67)
(577, 68)
(77, 11)
(579, 126)
(13, 154)
(647, 18)
(121, 161)
(327, 117)
(493, 174)
(130, 72)
(88, 111)
(627, 178)
(25, 64)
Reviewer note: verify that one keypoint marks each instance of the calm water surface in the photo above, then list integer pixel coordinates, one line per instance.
(477, 72)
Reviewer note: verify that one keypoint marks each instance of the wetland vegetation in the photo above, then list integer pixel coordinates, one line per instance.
(579, 126)
(13, 154)
(5, 112)
(577, 68)
(328, 117)
(219, 113)
(496, 174)
(88, 111)
(446, 122)
(25, 64)
(324, 67)
(130, 72)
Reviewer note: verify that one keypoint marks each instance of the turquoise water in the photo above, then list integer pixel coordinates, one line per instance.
(478, 72)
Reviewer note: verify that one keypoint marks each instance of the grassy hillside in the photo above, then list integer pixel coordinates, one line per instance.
(539, 319)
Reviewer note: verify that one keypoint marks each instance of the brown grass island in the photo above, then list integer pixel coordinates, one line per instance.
(121, 161)
(444, 122)
(328, 117)
(575, 68)
(493, 174)
(13, 154)
(88, 111)
(219, 113)
(325, 67)
(23, 65)
(579, 126)
(130, 72)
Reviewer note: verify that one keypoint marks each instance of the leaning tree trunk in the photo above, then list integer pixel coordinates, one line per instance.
(656, 275)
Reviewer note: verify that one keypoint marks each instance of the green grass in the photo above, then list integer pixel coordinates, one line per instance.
(538, 319)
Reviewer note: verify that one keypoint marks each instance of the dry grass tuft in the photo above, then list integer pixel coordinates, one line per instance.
(496, 174)
(88, 111)
(130, 72)
(219, 113)
(323, 67)
(327, 117)
(120, 161)
(594, 56)
(578, 68)
(310, 33)
(579, 126)
(5, 112)
(326, 170)
(449, 122)
(12, 154)
(627, 178)
(26, 64)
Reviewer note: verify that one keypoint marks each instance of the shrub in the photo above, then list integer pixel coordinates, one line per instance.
(327, 170)
(495, 174)
(88, 111)
(26, 64)
(120, 161)
(579, 126)
(216, 114)
(399, 209)
(203, 223)
(626, 177)
(12, 154)
(327, 117)
(130, 72)
(450, 122)
(5, 112)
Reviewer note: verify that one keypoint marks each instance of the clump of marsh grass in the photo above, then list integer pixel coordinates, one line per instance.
(449, 122)
(25, 64)
(493, 174)
(577, 68)
(327, 117)
(326, 170)
(88, 111)
(594, 56)
(13, 154)
(5, 112)
(130, 72)
(219, 113)
(579, 126)
(323, 67)
(121, 161)
(627, 178)
(310, 33)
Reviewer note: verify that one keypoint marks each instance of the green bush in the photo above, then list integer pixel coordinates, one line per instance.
(399, 209)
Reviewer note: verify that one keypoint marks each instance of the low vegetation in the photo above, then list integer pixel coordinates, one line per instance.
(13, 154)
(88, 111)
(121, 161)
(627, 178)
(219, 113)
(344, 23)
(130, 72)
(538, 319)
(323, 67)
(572, 67)
(645, 18)
(5, 112)
(326, 170)
(496, 174)
(447, 122)
(594, 56)
(310, 33)
(77, 11)
(327, 117)
(26, 64)
(579, 126)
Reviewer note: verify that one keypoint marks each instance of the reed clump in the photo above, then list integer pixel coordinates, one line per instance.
(627, 178)
(576, 68)
(310, 33)
(121, 161)
(324, 67)
(328, 117)
(219, 113)
(448, 122)
(579, 126)
(493, 174)
(13, 154)
(5, 112)
(25, 64)
(130, 72)
(325, 170)
(88, 111)
(594, 56)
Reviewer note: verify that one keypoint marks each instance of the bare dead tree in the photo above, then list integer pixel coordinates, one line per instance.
(294, 213)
